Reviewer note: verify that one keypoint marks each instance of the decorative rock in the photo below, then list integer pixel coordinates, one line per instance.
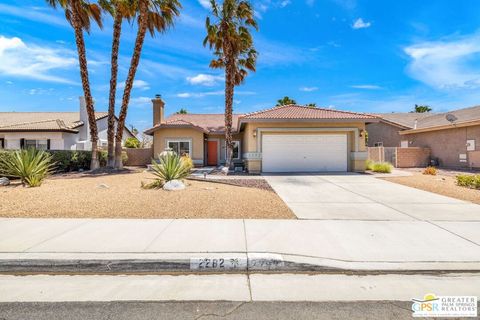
(174, 185)
(225, 170)
(4, 181)
(103, 186)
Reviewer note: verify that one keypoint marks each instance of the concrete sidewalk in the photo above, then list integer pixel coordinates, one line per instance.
(129, 245)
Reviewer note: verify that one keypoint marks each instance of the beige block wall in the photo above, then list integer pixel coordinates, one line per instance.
(161, 136)
(250, 142)
(446, 145)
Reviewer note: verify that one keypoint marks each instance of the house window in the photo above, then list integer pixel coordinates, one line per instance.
(236, 150)
(378, 144)
(2, 143)
(36, 144)
(180, 147)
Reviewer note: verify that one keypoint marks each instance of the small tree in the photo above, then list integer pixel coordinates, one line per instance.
(285, 101)
(311, 105)
(132, 143)
(182, 111)
(422, 109)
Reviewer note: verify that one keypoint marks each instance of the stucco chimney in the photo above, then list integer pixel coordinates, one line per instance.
(415, 124)
(85, 129)
(158, 109)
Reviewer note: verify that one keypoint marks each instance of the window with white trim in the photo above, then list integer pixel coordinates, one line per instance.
(36, 144)
(378, 144)
(180, 147)
(235, 150)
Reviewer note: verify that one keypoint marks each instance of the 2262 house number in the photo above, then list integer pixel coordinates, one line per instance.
(211, 263)
(217, 264)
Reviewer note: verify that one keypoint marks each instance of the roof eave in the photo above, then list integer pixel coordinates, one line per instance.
(151, 131)
(39, 130)
(441, 127)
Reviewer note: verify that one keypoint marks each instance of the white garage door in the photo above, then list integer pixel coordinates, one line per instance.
(304, 153)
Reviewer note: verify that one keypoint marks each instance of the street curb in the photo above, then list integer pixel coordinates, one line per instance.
(213, 263)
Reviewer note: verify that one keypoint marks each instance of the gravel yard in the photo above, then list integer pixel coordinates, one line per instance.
(443, 184)
(120, 196)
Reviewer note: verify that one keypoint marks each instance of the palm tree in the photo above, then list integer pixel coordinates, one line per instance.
(119, 10)
(79, 14)
(285, 101)
(154, 15)
(182, 111)
(229, 36)
(421, 109)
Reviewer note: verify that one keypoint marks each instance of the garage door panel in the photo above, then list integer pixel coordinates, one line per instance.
(304, 153)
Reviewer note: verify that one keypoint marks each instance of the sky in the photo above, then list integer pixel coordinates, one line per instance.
(367, 56)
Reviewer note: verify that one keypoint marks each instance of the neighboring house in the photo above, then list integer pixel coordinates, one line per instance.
(52, 130)
(281, 139)
(453, 137)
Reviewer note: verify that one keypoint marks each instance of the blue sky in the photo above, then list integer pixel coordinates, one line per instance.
(369, 56)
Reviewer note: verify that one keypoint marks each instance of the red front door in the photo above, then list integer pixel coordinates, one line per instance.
(212, 152)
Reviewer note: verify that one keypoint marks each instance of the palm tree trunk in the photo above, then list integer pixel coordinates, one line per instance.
(117, 29)
(142, 29)
(82, 61)
(229, 92)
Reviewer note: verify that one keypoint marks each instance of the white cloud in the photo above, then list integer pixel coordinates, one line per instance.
(137, 84)
(205, 79)
(34, 14)
(30, 61)
(205, 3)
(285, 3)
(366, 86)
(141, 102)
(449, 63)
(360, 24)
(308, 89)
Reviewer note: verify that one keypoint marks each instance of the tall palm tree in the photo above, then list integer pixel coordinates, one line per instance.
(285, 101)
(79, 14)
(119, 10)
(229, 36)
(156, 16)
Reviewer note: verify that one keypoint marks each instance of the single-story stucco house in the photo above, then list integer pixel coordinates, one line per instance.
(288, 138)
(52, 130)
(453, 137)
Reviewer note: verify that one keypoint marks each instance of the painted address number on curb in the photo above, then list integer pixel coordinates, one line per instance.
(217, 264)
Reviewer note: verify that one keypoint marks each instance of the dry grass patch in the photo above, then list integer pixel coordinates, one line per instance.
(441, 184)
(120, 196)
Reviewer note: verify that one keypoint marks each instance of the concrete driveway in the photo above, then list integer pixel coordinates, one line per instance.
(362, 197)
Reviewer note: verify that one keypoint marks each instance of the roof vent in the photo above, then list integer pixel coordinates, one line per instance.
(158, 96)
(450, 118)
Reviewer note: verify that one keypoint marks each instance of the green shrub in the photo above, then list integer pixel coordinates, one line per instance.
(430, 171)
(171, 167)
(30, 166)
(382, 167)
(469, 181)
(66, 160)
(188, 161)
(103, 158)
(132, 143)
(369, 164)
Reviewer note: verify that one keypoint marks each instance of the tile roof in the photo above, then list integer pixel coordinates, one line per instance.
(304, 112)
(215, 123)
(405, 119)
(209, 123)
(432, 120)
(42, 121)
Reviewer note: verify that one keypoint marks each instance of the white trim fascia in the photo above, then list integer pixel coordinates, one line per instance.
(329, 129)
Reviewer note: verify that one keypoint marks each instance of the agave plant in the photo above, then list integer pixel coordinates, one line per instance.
(170, 167)
(31, 166)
